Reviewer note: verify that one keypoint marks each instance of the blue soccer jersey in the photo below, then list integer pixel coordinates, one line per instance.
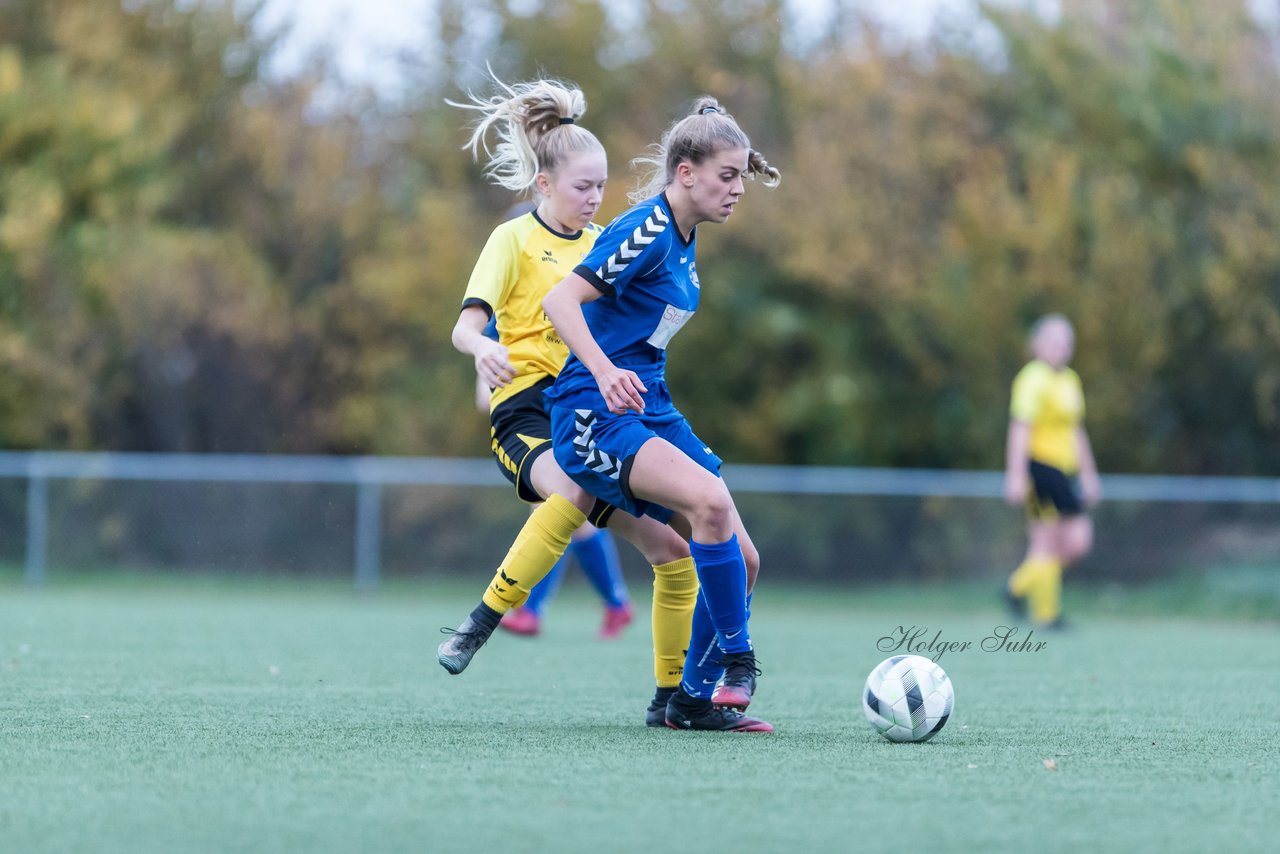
(646, 273)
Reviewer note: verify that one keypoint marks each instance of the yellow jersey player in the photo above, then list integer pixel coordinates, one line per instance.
(542, 150)
(1049, 468)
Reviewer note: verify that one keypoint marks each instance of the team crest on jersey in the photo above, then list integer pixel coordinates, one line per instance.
(693, 275)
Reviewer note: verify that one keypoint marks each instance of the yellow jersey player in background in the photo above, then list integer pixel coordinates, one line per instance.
(1049, 468)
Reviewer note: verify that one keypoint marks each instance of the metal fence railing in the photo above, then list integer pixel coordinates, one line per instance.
(369, 477)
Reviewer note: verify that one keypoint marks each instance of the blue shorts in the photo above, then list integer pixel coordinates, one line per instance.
(597, 449)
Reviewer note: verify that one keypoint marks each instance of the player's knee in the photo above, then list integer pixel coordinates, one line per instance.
(667, 548)
(713, 509)
(1079, 544)
(1077, 535)
(575, 495)
(548, 478)
(582, 499)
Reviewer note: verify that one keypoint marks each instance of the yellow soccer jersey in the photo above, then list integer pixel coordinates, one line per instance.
(1052, 402)
(523, 260)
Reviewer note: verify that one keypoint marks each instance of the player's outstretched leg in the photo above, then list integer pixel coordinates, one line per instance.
(686, 712)
(526, 619)
(540, 543)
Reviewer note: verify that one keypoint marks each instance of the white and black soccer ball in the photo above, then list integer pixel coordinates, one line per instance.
(908, 698)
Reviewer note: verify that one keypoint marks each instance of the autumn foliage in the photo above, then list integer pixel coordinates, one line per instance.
(196, 256)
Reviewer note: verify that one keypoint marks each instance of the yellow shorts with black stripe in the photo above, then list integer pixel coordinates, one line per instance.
(520, 433)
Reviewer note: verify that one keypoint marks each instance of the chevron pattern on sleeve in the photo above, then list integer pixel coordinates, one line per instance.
(598, 461)
(631, 248)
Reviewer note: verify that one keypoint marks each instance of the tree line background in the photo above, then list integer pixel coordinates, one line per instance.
(195, 256)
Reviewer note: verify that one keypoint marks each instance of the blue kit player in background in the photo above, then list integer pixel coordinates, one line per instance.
(593, 548)
(614, 428)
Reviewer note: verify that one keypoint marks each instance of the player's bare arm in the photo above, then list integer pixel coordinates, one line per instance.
(493, 366)
(621, 388)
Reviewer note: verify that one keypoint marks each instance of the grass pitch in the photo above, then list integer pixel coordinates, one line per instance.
(216, 717)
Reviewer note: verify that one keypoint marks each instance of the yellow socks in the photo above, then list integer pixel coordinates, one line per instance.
(536, 549)
(1044, 600)
(675, 592)
(1039, 581)
(1021, 580)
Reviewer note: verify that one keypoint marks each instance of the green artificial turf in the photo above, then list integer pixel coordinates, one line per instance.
(203, 717)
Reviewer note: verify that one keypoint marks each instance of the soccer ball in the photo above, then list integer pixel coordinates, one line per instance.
(908, 698)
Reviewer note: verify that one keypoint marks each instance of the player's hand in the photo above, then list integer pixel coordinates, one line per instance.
(621, 389)
(1090, 488)
(1015, 488)
(493, 366)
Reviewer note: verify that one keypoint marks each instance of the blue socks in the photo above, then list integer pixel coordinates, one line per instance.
(722, 574)
(598, 557)
(702, 668)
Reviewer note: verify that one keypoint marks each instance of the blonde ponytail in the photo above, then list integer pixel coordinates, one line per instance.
(535, 126)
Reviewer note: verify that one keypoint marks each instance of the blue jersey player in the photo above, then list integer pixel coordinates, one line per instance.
(614, 429)
(540, 149)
